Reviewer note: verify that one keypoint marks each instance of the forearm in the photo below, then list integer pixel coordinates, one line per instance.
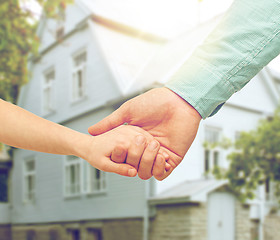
(22, 129)
(244, 42)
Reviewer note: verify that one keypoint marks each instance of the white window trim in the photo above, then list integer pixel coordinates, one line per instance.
(60, 24)
(50, 85)
(75, 69)
(84, 187)
(66, 164)
(212, 158)
(212, 151)
(24, 175)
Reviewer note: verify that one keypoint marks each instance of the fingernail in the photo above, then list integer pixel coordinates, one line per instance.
(153, 145)
(140, 140)
(132, 172)
(167, 166)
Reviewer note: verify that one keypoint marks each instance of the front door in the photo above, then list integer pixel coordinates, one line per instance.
(221, 216)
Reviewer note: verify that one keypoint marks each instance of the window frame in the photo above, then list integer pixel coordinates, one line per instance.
(85, 177)
(212, 152)
(7, 172)
(60, 26)
(75, 96)
(48, 85)
(90, 174)
(68, 163)
(27, 173)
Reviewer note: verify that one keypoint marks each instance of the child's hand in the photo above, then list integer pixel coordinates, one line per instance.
(146, 166)
(144, 154)
(128, 143)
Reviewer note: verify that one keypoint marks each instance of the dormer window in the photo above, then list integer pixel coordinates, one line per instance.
(59, 32)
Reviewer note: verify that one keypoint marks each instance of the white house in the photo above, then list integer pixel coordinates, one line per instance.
(91, 61)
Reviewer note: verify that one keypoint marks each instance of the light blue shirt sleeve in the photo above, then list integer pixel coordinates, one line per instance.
(246, 40)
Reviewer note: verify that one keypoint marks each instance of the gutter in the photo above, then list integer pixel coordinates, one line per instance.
(166, 201)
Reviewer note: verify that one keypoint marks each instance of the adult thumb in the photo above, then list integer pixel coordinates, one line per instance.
(115, 119)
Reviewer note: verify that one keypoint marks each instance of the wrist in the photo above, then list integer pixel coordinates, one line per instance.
(175, 100)
(83, 145)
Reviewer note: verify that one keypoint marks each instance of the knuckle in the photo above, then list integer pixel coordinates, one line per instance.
(121, 142)
(134, 155)
(118, 152)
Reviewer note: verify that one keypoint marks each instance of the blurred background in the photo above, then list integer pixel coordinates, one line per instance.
(75, 62)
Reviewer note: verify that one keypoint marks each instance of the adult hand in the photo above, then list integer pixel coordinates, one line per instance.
(166, 116)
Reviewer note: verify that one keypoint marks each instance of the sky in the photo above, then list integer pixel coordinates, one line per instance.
(167, 18)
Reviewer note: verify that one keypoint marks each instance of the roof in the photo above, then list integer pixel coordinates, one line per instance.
(188, 191)
(138, 62)
(160, 17)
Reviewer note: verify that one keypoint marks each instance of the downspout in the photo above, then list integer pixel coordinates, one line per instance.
(262, 214)
(146, 215)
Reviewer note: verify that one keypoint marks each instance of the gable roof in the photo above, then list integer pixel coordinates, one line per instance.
(138, 61)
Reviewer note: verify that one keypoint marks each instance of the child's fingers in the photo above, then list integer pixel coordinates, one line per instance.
(119, 154)
(119, 168)
(159, 167)
(166, 157)
(135, 151)
(167, 166)
(147, 160)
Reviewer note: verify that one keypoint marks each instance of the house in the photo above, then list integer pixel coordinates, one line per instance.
(89, 64)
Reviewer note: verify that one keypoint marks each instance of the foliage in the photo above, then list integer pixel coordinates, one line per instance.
(255, 160)
(18, 41)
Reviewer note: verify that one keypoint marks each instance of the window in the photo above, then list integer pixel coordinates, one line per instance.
(216, 157)
(212, 135)
(73, 176)
(82, 178)
(30, 235)
(79, 76)
(237, 135)
(206, 160)
(74, 234)
(94, 179)
(29, 181)
(53, 235)
(48, 91)
(4, 175)
(94, 234)
(269, 190)
(212, 153)
(59, 32)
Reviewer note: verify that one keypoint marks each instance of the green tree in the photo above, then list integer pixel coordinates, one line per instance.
(18, 41)
(255, 160)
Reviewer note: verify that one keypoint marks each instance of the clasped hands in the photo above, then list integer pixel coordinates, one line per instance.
(161, 128)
